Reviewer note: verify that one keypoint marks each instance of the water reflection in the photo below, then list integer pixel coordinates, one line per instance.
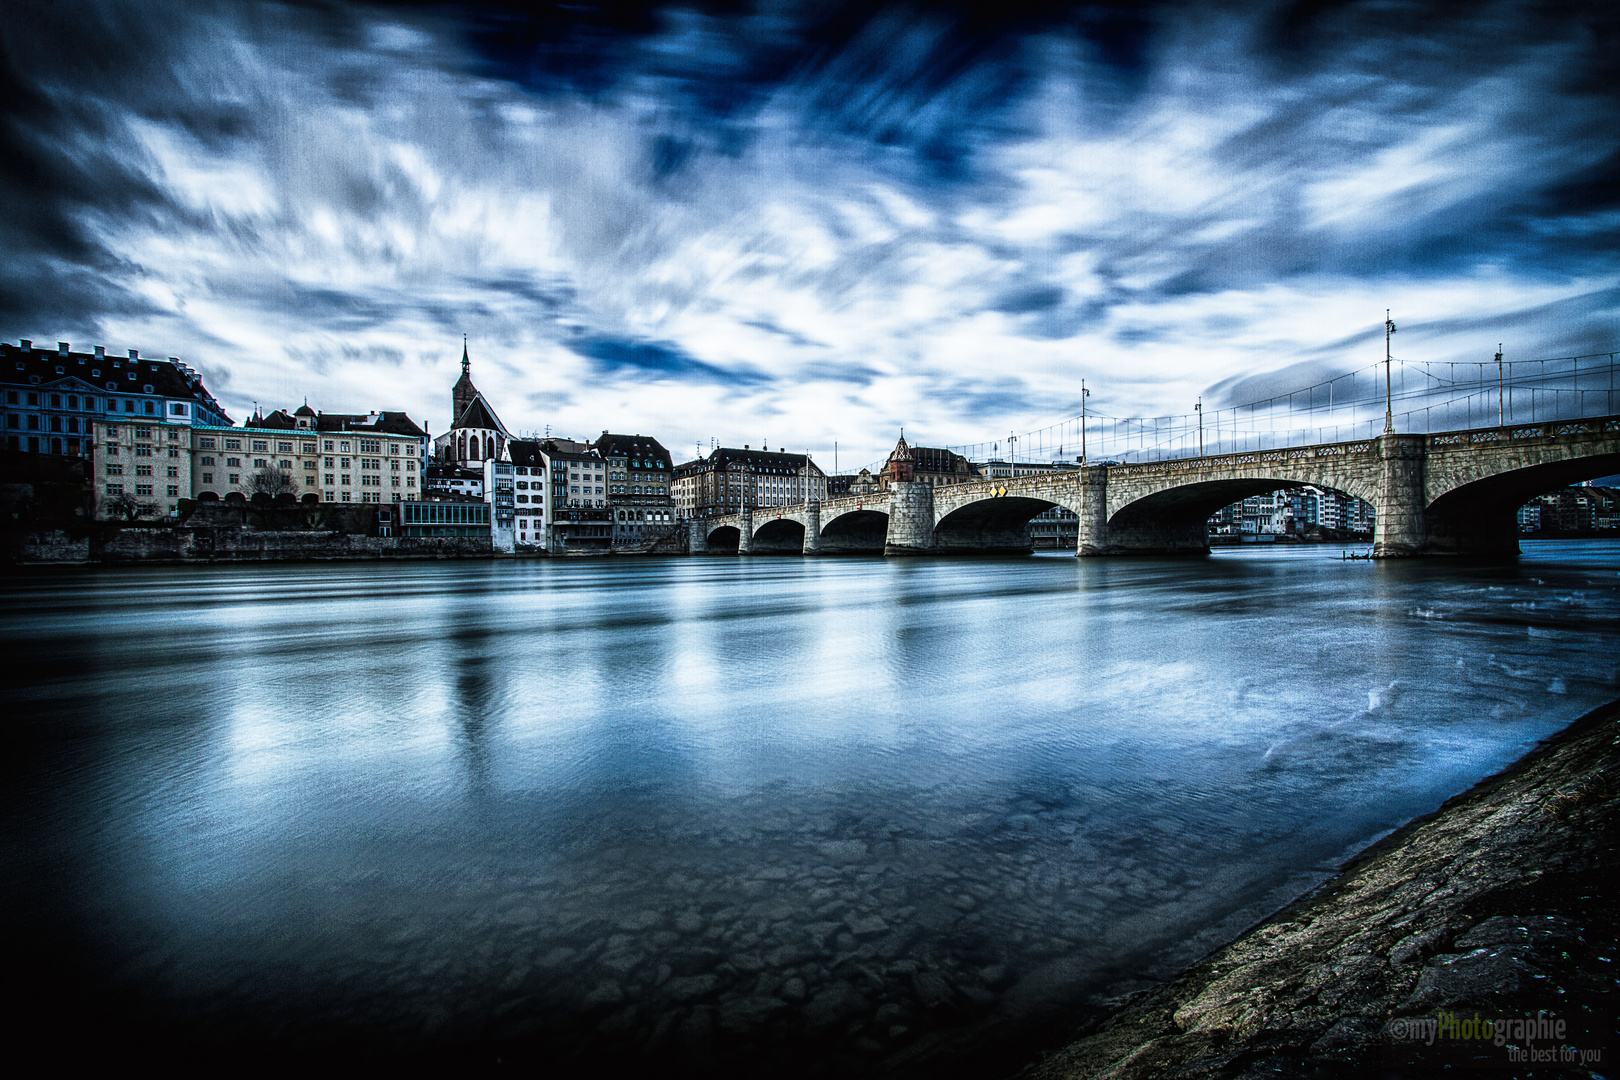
(737, 814)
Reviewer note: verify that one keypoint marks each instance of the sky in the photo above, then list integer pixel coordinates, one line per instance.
(806, 224)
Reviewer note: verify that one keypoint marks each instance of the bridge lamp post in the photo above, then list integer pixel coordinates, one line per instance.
(1084, 393)
(1389, 411)
(1501, 411)
(1199, 409)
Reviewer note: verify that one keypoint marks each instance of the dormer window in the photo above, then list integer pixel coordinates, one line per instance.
(147, 388)
(60, 370)
(95, 373)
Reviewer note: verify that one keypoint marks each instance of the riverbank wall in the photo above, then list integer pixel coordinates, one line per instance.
(1430, 952)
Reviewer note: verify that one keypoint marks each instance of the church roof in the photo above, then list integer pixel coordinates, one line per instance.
(477, 414)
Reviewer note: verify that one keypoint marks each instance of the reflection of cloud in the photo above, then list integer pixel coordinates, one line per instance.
(684, 222)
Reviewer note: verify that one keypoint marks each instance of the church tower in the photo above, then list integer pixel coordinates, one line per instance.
(464, 391)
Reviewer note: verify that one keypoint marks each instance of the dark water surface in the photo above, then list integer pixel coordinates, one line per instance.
(750, 816)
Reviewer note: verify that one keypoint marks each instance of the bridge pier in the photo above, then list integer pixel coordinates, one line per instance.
(812, 527)
(911, 520)
(1400, 529)
(745, 539)
(1093, 511)
(697, 537)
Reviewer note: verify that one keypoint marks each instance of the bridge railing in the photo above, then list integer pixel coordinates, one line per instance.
(1425, 398)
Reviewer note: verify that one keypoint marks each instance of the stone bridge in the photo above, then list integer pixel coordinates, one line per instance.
(1451, 493)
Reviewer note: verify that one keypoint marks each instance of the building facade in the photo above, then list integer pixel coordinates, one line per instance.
(729, 479)
(640, 476)
(53, 400)
(932, 465)
(337, 457)
(476, 434)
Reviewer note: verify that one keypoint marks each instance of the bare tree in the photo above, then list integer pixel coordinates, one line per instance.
(270, 481)
(129, 508)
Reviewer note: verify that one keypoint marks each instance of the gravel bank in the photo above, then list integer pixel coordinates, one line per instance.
(1500, 905)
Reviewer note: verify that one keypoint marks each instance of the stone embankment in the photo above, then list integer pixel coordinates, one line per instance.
(1500, 905)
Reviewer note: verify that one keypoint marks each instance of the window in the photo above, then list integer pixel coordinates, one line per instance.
(205, 444)
(176, 409)
(345, 481)
(174, 489)
(328, 462)
(114, 469)
(143, 489)
(11, 397)
(173, 471)
(345, 460)
(115, 489)
(234, 478)
(143, 451)
(150, 411)
(260, 445)
(330, 480)
(260, 463)
(284, 464)
(395, 464)
(143, 470)
(283, 447)
(233, 444)
(208, 478)
(327, 446)
(370, 446)
(344, 448)
(233, 462)
(56, 399)
(207, 460)
(33, 423)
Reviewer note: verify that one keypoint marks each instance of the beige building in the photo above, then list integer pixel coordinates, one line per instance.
(341, 457)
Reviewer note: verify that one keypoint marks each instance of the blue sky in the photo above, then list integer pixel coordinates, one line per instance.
(797, 224)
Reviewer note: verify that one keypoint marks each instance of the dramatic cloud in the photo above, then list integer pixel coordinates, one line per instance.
(807, 223)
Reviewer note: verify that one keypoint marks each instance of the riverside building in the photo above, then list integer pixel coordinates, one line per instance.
(640, 475)
(729, 479)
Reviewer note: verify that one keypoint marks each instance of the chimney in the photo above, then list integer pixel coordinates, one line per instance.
(27, 346)
(61, 348)
(134, 354)
(101, 352)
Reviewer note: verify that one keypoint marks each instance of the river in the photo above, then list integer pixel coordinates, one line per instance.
(745, 816)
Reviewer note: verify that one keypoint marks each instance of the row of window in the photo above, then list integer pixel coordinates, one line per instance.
(88, 404)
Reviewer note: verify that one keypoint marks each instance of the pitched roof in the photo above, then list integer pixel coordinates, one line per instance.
(631, 446)
(118, 374)
(382, 423)
(478, 414)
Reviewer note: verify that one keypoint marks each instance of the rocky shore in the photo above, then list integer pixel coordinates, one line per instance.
(1458, 943)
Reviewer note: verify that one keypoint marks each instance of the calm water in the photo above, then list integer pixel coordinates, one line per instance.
(740, 815)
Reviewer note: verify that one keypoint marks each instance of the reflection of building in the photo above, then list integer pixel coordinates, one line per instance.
(729, 479)
(639, 478)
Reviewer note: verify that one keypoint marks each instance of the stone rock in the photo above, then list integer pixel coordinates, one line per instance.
(842, 851)
(1511, 930)
(931, 989)
(607, 992)
(1477, 977)
(690, 987)
(832, 1006)
(747, 1013)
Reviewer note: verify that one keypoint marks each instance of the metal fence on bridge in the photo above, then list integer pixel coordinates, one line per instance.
(1425, 398)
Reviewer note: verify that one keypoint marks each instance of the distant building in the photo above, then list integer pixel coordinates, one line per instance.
(453, 481)
(640, 478)
(931, 465)
(1572, 510)
(1301, 511)
(729, 479)
(998, 469)
(53, 400)
(476, 434)
(375, 457)
(530, 471)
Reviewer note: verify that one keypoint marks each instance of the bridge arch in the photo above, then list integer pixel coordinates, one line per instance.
(990, 525)
(855, 531)
(779, 536)
(1473, 511)
(1173, 520)
(724, 540)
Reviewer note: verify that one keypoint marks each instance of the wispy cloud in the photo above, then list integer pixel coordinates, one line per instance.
(834, 220)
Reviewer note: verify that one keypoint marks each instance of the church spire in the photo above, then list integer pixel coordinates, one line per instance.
(464, 391)
(466, 364)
